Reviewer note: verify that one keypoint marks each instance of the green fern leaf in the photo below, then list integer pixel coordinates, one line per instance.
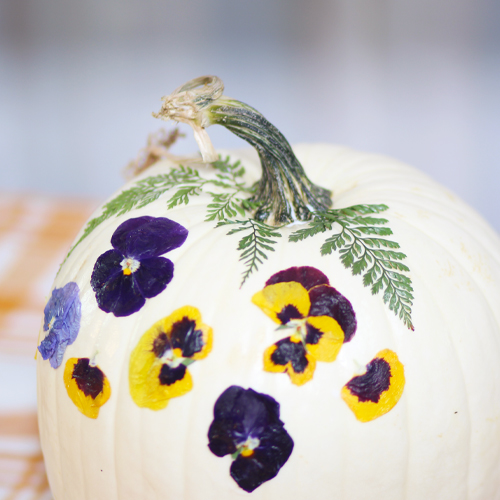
(188, 183)
(362, 245)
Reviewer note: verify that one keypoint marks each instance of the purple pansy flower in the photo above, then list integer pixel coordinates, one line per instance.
(133, 271)
(246, 426)
(62, 321)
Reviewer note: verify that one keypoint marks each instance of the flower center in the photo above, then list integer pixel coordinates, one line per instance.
(51, 322)
(129, 265)
(172, 357)
(300, 330)
(248, 446)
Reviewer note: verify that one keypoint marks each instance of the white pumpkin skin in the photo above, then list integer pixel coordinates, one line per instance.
(440, 442)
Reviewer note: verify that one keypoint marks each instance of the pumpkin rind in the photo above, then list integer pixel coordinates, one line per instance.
(441, 441)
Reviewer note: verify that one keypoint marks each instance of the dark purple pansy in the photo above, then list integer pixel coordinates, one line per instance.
(62, 316)
(133, 271)
(247, 426)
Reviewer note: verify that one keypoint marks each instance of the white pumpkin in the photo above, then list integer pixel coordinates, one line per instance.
(438, 439)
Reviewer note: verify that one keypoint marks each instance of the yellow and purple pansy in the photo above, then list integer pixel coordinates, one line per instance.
(377, 391)
(133, 271)
(158, 364)
(62, 315)
(322, 319)
(87, 386)
(247, 426)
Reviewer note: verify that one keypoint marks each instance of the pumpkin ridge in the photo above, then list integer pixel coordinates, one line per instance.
(457, 359)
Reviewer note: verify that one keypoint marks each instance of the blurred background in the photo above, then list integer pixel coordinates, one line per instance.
(415, 79)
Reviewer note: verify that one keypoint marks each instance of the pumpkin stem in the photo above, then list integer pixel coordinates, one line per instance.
(284, 194)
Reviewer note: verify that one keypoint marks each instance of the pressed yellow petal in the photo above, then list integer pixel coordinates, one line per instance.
(144, 350)
(367, 410)
(189, 312)
(147, 391)
(269, 365)
(330, 341)
(145, 387)
(193, 314)
(144, 370)
(207, 341)
(275, 300)
(296, 378)
(88, 405)
(306, 375)
(180, 387)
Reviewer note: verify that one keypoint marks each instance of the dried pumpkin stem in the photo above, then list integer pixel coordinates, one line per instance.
(284, 194)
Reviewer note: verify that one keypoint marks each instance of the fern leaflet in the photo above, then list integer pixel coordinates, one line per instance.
(253, 246)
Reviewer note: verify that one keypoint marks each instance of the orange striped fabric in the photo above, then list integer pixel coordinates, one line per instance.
(35, 234)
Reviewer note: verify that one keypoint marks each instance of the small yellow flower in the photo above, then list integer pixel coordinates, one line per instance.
(158, 364)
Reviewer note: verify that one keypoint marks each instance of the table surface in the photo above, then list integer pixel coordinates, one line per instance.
(35, 234)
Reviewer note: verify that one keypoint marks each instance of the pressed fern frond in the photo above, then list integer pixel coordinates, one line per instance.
(361, 243)
(188, 183)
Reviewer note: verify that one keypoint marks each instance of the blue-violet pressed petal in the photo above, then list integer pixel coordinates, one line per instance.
(120, 295)
(70, 324)
(221, 437)
(62, 316)
(265, 463)
(48, 345)
(248, 410)
(326, 301)
(106, 268)
(145, 237)
(250, 472)
(57, 356)
(307, 276)
(63, 310)
(153, 276)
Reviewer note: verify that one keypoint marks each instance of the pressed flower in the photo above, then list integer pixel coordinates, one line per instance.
(87, 386)
(377, 391)
(62, 315)
(133, 271)
(247, 426)
(158, 364)
(322, 319)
